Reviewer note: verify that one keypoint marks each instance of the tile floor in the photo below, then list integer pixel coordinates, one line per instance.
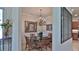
(75, 44)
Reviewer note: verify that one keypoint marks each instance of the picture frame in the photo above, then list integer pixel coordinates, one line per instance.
(49, 27)
(66, 25)
(30, 26)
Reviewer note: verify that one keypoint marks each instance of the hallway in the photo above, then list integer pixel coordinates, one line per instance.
(75, 28)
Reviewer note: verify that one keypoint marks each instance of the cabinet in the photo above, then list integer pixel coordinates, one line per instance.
(75, 36)
(75, 24)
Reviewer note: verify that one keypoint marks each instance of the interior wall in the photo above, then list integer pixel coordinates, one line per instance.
(16, 29)
(57, 46)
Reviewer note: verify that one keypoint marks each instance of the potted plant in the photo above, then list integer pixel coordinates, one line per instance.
(6, 26)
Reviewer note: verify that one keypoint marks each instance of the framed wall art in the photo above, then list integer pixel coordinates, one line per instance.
(66, 29)
(49, 27)
(30, 26)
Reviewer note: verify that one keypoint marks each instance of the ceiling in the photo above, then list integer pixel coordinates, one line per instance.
(36, 10)
(75, 11)
(46, 11)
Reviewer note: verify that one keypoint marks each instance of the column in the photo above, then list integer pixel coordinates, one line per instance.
(16, 32)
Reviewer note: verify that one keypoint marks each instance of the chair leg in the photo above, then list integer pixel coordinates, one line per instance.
(26, 47)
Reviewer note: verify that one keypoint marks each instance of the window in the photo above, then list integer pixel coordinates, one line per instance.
(1, 20)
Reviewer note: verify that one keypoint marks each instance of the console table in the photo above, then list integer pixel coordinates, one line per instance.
(3, 41)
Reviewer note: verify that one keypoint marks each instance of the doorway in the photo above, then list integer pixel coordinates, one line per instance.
(75, 28)
(37, 28)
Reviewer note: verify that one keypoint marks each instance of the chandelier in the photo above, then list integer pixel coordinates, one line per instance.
(42, 19)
